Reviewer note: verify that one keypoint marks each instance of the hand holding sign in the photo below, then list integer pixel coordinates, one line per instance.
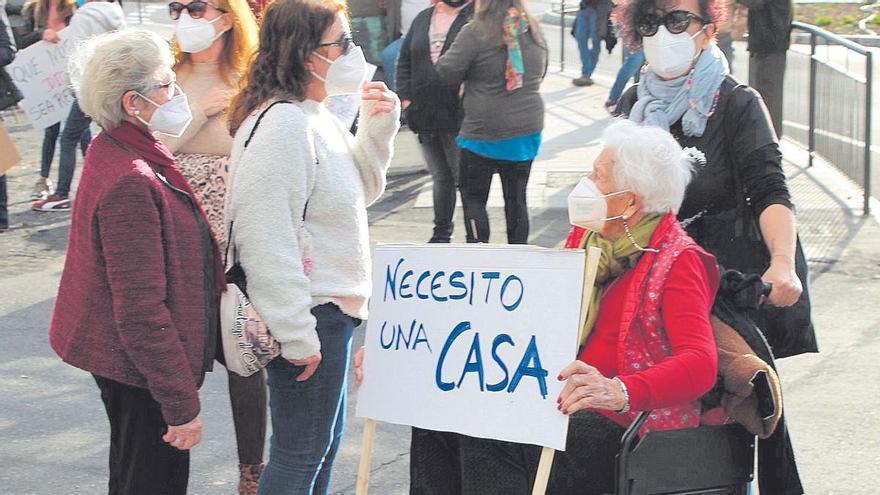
(586, 388)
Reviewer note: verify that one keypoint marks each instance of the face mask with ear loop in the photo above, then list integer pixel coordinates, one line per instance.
(170, 118)
(671, 55)
(195, 35)
(346, 74)
(588, 207)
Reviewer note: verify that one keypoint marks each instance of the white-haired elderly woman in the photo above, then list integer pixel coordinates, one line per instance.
(647, 343)
(137, 304)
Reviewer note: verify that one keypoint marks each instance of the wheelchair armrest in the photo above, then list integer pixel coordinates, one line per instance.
(627, 444)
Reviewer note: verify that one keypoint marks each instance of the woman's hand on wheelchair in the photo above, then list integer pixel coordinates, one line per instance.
(586, 388)
(787, 286)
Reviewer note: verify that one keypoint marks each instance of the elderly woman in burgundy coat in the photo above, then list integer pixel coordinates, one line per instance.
(137, 304)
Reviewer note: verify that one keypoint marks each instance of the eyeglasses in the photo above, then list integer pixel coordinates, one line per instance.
(195, 9)
(171, 88)
(676, 22)
(345, 43)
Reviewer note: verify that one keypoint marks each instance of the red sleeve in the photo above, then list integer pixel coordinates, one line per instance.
(131, 241)
(575, 235)
(692, 368)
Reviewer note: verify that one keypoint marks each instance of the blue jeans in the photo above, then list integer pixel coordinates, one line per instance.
(308, 417)
(586, 32)
(76, 130)
(631, 64)
(389, 62)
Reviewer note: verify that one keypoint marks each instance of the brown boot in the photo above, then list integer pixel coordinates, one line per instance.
(249, 478)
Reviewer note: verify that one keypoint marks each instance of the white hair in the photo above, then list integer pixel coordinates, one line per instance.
(107, 66)
(650, 162)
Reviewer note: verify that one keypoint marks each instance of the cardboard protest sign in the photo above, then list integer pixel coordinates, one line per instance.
(40, 72)
(470, 339)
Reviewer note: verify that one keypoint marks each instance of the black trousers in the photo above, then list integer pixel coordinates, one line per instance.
(141, 463)
(475, 182)
(249, 398)
(443, 463)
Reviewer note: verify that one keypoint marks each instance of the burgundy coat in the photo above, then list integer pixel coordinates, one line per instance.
(137, 299)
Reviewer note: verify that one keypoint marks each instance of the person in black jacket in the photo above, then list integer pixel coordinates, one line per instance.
(433, 108)
(738, 207)
(7, 54)
(769, 39)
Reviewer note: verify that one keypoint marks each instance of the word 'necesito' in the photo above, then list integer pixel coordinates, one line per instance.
(456, 286)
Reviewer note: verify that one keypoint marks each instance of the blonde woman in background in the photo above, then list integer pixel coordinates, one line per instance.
(213, 44)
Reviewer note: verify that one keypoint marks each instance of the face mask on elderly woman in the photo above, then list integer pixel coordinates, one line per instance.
(170, 118)
(588, 207)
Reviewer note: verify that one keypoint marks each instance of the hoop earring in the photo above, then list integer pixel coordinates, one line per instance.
(632, 240)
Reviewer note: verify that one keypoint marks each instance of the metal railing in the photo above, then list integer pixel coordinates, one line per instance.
(837, 96)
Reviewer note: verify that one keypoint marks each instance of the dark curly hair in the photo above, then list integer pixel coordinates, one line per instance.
(291, 31)
(627, 13)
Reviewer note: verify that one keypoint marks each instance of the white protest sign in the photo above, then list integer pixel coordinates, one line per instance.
(470, 339)
(40, 72)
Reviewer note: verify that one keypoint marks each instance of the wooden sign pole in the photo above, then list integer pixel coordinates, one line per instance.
(591, 266)
(363, 477)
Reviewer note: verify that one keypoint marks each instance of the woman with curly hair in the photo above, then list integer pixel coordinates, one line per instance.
(296, 215)
(213, 44)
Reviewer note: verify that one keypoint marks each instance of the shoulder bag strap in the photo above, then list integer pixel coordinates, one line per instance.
(246, 143)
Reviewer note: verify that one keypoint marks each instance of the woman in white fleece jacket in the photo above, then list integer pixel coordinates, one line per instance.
(296, 204)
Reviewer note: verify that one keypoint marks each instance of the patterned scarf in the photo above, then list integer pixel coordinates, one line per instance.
(515, 24)
(691, 98)
(617, 257)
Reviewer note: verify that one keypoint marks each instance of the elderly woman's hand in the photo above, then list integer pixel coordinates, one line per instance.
(185, 436)
(787, 286)
(384, 101)
(586, 388)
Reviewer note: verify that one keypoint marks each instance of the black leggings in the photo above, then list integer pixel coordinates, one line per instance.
(443, 463)
(476, 180)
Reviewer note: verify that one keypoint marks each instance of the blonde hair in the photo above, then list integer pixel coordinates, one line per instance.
(239, 43)
(109, 65)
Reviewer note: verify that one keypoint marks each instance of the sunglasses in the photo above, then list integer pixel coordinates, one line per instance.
(345, 42)
(676, 22)
(195, 9)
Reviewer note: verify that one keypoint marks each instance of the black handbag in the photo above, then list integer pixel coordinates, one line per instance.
(734, 237)
(9, 93)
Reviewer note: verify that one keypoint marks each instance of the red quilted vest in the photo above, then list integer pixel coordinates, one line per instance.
(642, 341)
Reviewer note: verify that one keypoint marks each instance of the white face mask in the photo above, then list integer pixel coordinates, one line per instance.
(670, 55)
(195, 35)
(170, 118)
(588, 207)
(346, 74)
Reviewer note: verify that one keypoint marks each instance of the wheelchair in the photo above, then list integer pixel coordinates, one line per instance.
(707, 460)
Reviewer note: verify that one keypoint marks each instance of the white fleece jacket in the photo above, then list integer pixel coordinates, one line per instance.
(95, 18)
(299, 154)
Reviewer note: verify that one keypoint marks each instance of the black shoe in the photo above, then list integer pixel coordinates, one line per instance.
(439, 240)
(582, 81)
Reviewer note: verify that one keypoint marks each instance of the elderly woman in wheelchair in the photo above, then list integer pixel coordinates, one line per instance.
(648, 343)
